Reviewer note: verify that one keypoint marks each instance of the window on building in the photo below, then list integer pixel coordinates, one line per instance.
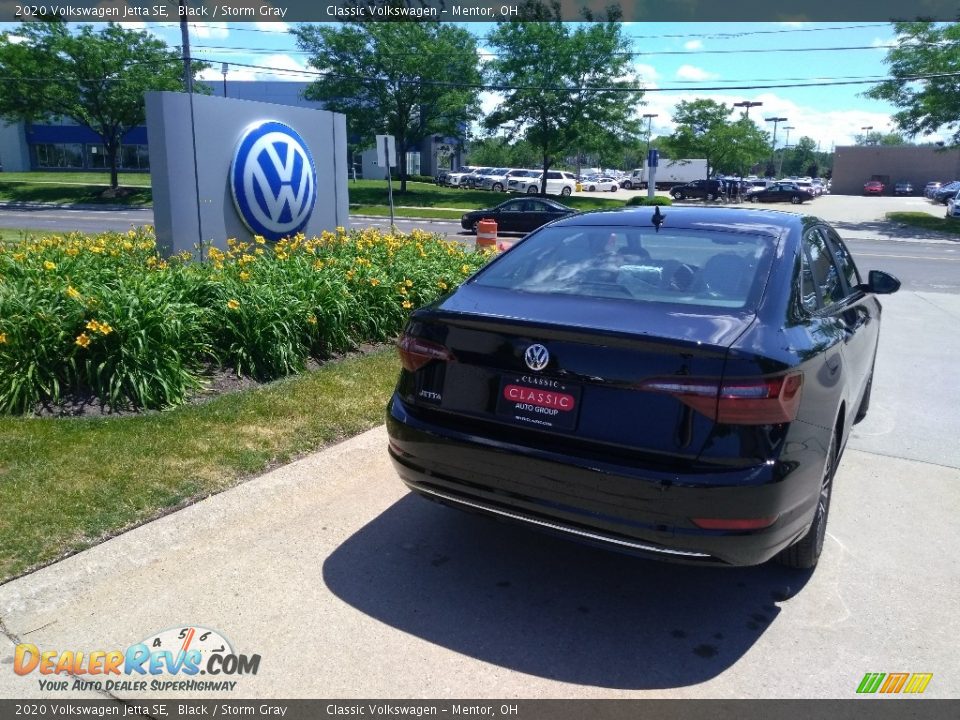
(58, 155)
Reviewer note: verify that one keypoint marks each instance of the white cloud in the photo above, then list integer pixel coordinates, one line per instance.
(691, 72)
(16, 39)
(213, 74)
(277, 27)
(209, 30)
(693, 45)
(282, 61)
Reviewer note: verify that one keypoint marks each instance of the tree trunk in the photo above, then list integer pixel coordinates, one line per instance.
(112, 147)
(546, 167)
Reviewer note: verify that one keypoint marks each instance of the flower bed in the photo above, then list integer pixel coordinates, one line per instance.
(106, 315)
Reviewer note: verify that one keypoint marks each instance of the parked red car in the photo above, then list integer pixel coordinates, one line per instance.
(874, 187)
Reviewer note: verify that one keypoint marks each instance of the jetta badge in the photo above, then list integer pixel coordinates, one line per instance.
(537, 357)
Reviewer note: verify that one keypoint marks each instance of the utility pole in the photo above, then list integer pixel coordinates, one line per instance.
(773, 147)
(185, 42)
(649, 117)
(223, 69)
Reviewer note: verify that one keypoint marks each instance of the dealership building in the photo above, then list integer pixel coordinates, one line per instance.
(64, 146)
(916, 164)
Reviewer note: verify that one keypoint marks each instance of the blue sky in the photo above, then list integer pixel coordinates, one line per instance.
(829, 114)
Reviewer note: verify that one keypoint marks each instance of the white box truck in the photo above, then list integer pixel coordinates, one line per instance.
(670, 173)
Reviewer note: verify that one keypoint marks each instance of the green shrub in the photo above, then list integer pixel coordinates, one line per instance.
(644, 200)
(107, 316)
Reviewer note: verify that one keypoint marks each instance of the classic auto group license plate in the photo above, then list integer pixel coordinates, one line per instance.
(537, 401)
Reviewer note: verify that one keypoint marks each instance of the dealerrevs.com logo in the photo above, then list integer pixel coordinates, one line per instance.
(189, 658)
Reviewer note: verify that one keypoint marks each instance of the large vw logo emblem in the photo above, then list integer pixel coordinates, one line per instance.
(536, 357)
(273, 179)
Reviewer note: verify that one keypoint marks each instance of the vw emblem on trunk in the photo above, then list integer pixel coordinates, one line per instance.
(536, 357)
(273, 180)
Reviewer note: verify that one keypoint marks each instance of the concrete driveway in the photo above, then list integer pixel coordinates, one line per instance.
(347, 586)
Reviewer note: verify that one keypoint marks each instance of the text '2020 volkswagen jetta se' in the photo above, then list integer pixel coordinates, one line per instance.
(678, 385)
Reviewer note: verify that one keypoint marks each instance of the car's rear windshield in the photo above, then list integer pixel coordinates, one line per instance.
(689, 267)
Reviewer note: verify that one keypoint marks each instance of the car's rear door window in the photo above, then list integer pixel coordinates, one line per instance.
(848, 268)
(826, 277)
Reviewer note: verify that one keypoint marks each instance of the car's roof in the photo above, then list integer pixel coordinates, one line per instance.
(762, 221)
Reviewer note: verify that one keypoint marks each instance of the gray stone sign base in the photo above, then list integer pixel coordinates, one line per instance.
(192, 142)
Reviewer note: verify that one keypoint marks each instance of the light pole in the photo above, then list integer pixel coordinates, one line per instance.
(866, 138)
(649, 117)
(786, 144)
(224, 68)
(746, 105)
(773, 147)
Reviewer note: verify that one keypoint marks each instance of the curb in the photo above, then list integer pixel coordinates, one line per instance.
(5, 205)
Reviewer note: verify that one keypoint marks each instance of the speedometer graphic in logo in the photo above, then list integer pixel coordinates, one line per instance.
(273, 180)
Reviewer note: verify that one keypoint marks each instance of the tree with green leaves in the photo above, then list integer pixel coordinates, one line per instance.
(565, 87)
(705, 129)
(874, 137)
(798, 159)
(406, 79)
(95, 77)
(926, 106)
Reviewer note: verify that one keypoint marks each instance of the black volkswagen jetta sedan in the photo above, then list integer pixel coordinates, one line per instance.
(680, 384)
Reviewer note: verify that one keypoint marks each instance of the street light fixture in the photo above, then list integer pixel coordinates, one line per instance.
(746, 105)
(224, 68)
(773, 146)
(867, 128)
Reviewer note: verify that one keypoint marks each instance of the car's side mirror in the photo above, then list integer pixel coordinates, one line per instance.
(881, 283)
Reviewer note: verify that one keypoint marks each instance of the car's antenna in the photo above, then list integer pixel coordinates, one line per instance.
(658, 218)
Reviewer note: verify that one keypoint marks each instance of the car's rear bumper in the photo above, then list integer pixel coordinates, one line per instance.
(631, 508)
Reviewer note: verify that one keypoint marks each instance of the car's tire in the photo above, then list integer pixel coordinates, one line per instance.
(711, 196)
(532, 189)
(804, 554)
(566, 192)
(614, 188)
(592, 188)
(796, 200)
(627, 185)
(497, 187)
(476, 227)
(677, 195)
(865, 403)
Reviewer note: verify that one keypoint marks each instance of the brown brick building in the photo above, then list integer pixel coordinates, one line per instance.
(854, 165)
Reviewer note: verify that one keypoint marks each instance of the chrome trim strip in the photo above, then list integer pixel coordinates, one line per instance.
(563, 528)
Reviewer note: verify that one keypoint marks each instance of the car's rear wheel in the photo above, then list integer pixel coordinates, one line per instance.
(614, 188)
(754, 199)
(627, 185)
(677, 195)
(566, 192)
(497, 187)
(805, 553)
(796, 199)
(532, 190)
(711, 196)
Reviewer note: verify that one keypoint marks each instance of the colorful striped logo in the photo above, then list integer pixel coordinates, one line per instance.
(892, 683)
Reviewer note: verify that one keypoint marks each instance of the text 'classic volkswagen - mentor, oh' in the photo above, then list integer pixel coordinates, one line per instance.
(679, 385)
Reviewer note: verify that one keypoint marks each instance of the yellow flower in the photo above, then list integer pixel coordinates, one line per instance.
(259, 251)
(244, 276)
(3, 338)
(465, 269)
(233, 304)
(259, 239)
(408, 283)
(374, 282)
(93, 325)
(82, 340)
(312, 319)
(341, 230)
(47, 265)
(72, 293)
(442, 285)
(407, 304)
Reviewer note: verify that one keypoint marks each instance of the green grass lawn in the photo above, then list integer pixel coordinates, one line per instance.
(83, 178)
(68, 483)
(69, 193)
(926, 221)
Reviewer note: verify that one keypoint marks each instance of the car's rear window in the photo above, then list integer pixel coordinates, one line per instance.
(690, 267)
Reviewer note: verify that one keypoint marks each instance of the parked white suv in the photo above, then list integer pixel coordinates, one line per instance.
(498, 181)
(558, 183)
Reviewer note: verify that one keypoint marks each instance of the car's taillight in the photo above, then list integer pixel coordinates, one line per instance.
(763, 401)
(416, 352)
